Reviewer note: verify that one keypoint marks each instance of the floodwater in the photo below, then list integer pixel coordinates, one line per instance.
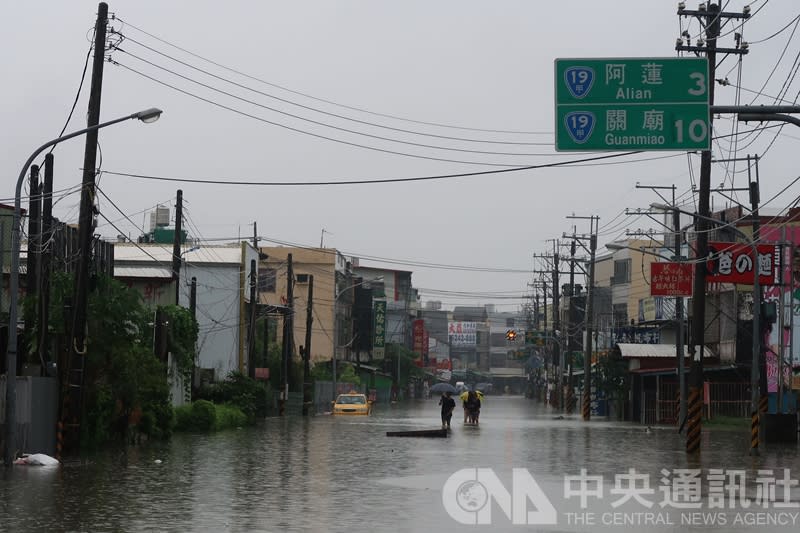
(344, 474)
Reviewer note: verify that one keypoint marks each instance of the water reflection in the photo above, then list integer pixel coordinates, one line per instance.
(344, 474)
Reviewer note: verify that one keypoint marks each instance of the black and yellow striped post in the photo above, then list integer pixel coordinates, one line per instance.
(754, 427)
(59, 439)
(586, 406)
(763, 403)
(678, 409)
(570, 400)
(694, 415)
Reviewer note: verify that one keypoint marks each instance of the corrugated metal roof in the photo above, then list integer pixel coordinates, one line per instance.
(142, 272)
(189, 254)
(654, 350)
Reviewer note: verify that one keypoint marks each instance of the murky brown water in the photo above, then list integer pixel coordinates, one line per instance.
(344, 474)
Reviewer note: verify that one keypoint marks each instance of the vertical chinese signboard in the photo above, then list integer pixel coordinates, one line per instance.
(671, 279)
(379, 327)
(418, 331)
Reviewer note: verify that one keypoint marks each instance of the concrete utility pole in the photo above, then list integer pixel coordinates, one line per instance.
(569, 402)
(586, 403)
(288, 326)
(756, 369)
(557, 355)
(251, 328)
(679, 337)
(307, 393)
(710, 19)
(45, 260)
(34, 241)
(193, 297)
(176, 247)
(74, 395)
(555, 361)
(587, 356)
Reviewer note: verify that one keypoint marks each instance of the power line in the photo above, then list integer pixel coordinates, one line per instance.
(305, 95)
(309, 108)
(236, 181)
(298, 130)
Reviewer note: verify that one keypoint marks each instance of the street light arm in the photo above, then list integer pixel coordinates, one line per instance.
(613, 246)
(714, 221)
(148, 115)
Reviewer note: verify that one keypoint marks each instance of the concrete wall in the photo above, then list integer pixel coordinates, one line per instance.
(321, 263)
(36, 420)
(219, 295)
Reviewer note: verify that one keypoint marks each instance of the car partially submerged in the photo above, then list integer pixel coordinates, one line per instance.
(352, 403)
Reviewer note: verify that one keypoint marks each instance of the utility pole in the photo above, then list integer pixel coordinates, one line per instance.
(307, 399)
(254, 300)
(45, 260)
(679, 325)
(710, 19)
(72, 408)
(265, 347)
(176, 247)
(570, 394)
(586, 404)
(288, 325)
(554, 342)
(251, 329)
(758, 374)
(557, 359)
(34, 251)
(193, 298)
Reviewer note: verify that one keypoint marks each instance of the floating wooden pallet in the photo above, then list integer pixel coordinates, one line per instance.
(418, 433)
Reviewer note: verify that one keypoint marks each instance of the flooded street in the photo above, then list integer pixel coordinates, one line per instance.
(345, 474)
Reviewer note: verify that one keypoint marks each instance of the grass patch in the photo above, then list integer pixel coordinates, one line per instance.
(729, 422)
(203, 415)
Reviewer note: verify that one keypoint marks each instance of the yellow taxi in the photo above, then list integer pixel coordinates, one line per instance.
(352, 403)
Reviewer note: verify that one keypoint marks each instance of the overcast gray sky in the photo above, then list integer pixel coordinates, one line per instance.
(407, 66)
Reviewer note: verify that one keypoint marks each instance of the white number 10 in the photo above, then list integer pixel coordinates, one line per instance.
(697, 130)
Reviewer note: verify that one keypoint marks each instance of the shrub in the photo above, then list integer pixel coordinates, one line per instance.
(252, 397)
(203, 415)
(229, 416)
(199, 416)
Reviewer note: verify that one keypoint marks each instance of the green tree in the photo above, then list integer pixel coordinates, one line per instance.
(124, 384)
(181, 340)
(610, 376)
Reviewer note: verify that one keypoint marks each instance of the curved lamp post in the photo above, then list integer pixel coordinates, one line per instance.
(335, 325)
(146, 116)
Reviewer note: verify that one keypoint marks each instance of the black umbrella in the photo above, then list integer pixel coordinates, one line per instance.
(442, 388)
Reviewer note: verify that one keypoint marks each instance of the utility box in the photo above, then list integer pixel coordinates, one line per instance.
(780, 427)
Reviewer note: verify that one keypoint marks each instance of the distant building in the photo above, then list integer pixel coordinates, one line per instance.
(222, 273)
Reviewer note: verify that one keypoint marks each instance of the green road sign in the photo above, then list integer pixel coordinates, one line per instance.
(632, 104)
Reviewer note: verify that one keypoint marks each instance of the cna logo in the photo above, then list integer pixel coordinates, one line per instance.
(467, 497)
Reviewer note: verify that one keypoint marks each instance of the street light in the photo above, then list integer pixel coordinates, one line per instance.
(754, 369)
(336, 325)
(147, 116)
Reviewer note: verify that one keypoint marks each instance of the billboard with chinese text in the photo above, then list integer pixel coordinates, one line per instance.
(462, 333)
(379, 329)
(731, 262)
(671, 279)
